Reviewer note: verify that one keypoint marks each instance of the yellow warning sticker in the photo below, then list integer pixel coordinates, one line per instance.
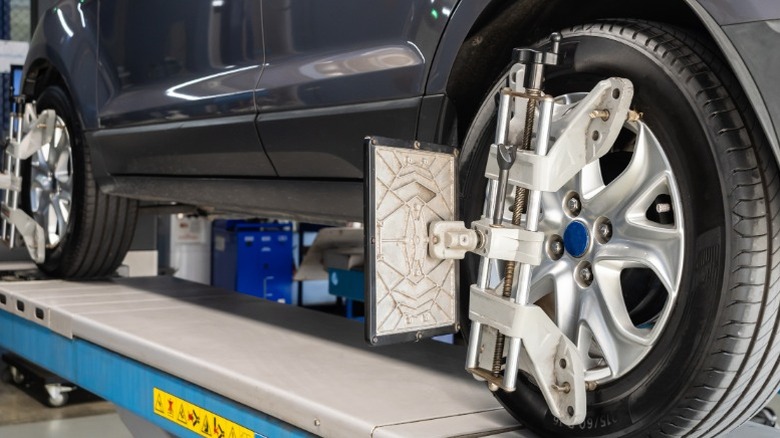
(195, 418)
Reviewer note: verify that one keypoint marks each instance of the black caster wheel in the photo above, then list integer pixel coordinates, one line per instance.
(57, 401)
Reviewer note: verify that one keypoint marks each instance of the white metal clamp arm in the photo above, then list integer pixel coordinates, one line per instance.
(452, 240)
(586, 132)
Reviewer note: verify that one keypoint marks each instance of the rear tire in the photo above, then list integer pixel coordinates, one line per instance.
(93, 240)
(715, 363)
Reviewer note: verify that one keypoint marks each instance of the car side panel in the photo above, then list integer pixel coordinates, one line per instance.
(330, 82)
(461, 22)
(749, 48)
(177, 59)
(758, 45)
(186, 67)
(727, 12)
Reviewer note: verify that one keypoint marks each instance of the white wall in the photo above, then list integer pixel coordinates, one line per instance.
(190, 248)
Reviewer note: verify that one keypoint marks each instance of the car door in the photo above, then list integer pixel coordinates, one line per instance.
(175, 89)
(339, 70)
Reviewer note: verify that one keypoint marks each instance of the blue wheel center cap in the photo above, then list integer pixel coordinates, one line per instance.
(576, 239)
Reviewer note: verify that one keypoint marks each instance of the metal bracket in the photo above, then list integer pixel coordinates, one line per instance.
(31, 232)
(548, 355)
(507, 324)
(29, 132)
(38, 130)
(509, 242)
(452, 240)
(583, 132)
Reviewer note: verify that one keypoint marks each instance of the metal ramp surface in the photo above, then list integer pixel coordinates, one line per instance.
(309, 372)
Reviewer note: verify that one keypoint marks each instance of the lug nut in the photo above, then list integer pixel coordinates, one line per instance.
(555, 247)
(584, 274)
(574, 205)
(605, 231)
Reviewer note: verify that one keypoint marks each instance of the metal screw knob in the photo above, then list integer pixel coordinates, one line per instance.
(555, 247)
(574, 205)
(605, 231)
(586, 275)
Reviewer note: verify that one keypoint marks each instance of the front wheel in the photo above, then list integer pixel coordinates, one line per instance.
(669, 292)
(87, 232)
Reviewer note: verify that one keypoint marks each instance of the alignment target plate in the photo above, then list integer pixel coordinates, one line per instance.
(409, 295)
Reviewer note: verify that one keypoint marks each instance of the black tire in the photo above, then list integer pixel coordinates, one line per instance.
(101, 227)
(715, 364)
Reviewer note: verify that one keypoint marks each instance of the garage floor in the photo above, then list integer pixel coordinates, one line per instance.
(22, 404)
(23, 415)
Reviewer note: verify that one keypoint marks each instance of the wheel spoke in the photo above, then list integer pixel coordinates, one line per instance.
(595, 367)
(567, 304)
(56, 148)
(40, 162)
(647, 245)
(605, 314)
(66, 193)
(544, 278)
(552, 215)
(38, 202)
(40, 180)
(62, 171)
(51, 222)
(589, 180)
(556, 277)
(646, 167)
(61, 212)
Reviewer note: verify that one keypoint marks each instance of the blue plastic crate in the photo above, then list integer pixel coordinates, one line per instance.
(255, 258)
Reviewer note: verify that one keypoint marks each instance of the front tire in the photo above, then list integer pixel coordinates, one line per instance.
(714, 361)
(87, 232)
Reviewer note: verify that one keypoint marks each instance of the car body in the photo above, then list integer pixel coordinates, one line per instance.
(266, 111)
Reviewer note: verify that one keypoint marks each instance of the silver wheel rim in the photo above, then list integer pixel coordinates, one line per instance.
(595, 316)
(51, 185)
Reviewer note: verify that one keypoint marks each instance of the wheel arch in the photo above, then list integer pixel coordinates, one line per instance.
(64, 52)
(474, 49)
